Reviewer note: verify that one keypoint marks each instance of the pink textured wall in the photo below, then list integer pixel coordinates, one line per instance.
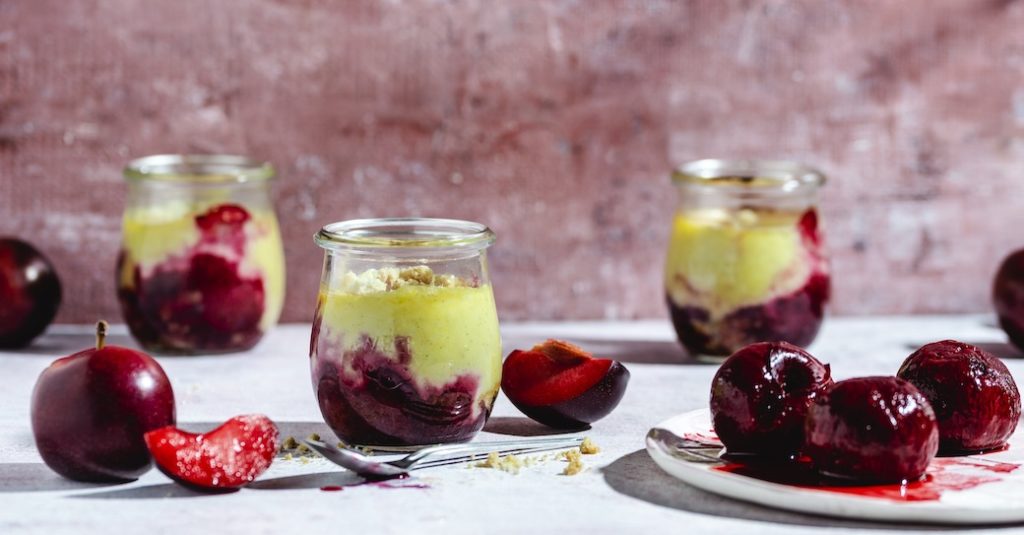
(555, 122)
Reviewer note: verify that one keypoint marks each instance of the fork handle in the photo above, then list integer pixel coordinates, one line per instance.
(487, 447)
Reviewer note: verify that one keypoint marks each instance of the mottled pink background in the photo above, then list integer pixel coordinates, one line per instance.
(556, 122)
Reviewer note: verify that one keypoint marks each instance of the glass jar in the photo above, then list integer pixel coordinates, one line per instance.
(746, 261)
(405, 349)
(201, 268)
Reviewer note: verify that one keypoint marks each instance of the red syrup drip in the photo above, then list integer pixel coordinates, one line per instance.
(939, 479)
(332, 488)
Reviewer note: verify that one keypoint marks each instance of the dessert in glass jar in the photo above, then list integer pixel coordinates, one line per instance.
(201, 268)
(405, 349)
(746, 261)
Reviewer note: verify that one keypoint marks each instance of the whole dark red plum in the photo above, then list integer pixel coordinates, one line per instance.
(1008, 297)
(871, 430)
(975, 398)
(760, 395)
(91, 410)
(30, 293)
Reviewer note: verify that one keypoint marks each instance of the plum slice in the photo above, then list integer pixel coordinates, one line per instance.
(975, 398)
(871, 430)
(227, 458)
(561, 385)
(760, 395)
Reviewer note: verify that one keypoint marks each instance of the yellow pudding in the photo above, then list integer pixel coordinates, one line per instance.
(722, 260)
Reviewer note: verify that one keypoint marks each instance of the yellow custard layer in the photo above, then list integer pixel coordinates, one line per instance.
(451, 328)
(721, 260)
(154, 234)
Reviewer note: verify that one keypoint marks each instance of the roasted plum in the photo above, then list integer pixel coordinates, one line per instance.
(563, 386)
(871, 430)
(760, 394)
(975, 398)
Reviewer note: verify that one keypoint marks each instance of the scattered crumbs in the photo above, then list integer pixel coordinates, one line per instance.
(575, 465)
(303, 448)
(508, 463)
(288, 457)
(587, 447)
(314, 436)
(289, 443)
(304, 460)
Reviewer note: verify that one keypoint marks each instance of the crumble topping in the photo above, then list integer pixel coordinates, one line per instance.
(575, 465)
(392, 278)
(587, 447)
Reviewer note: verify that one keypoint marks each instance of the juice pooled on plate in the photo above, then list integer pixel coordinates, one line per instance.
(201, 268)
(406, 352)
(745, 262)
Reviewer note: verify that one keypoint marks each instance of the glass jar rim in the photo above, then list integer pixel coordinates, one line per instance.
(404, 233)
(198, 169)
(782, 176)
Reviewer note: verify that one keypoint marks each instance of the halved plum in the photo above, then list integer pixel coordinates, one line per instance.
(975, 398)
(560, 385)
(228, 457)
(759, 397)
(871, 430)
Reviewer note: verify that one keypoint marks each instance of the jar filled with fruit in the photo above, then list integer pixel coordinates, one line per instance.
(405, 348)
(201, 268)
(746, 261)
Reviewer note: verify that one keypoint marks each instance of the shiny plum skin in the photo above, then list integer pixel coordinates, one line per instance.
(30, 293)
(760, 395)
(590, 406)
(90, 411)
(975, 398)
(1008, 297)
(871, 430)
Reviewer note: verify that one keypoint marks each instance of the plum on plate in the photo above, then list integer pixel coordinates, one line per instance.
(871, 430)
(759, 397)
(224, 459)
(975, 398)
(561, 385)
(91, 409)
(30, 293)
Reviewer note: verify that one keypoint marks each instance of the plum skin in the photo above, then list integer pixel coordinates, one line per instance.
(1008, 297)
(973, 394)
(760, 395)
(29, 290)
(90, 411)
(851, 432)
(579, 412)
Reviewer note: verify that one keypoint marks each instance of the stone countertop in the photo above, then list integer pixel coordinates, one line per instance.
(620, 491)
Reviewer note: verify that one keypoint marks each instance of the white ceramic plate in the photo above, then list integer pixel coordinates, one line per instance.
(986, 489)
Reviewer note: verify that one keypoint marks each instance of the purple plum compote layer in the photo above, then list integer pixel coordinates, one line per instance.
(405, 357)
(200, 281)
(743, 276)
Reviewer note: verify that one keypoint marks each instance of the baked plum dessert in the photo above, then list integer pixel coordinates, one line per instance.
(871, 430)
(760, 395)
(975, 398)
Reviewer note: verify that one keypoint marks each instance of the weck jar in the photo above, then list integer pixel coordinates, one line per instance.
(405, 347)
(746, 261)
(201, 267)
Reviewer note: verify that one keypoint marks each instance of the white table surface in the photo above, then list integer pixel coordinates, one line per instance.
(622, 491)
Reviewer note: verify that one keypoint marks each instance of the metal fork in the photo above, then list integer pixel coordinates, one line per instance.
(432, 456)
